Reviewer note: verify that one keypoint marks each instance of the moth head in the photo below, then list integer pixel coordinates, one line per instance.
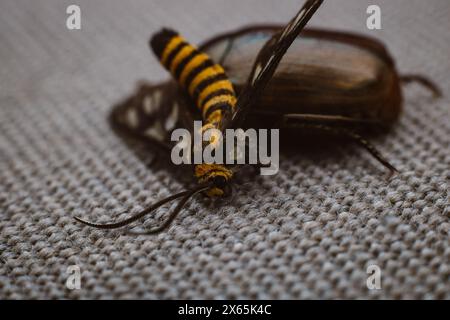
(217, 176)
(221, 187)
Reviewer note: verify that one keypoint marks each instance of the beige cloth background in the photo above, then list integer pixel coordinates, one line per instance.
(308, 232)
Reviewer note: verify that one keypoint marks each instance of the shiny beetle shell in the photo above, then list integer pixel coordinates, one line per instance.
(323, 72)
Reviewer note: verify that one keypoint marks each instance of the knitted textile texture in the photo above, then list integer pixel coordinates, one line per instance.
(310, 231)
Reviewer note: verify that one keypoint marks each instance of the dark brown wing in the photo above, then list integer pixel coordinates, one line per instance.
(151, 113)
(268, 59)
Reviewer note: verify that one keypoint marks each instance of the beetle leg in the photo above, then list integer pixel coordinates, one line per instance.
(227, 50)
(330, 118)
(349, 134)
(424, 81)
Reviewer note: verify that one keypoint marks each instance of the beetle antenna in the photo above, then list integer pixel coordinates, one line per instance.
(185, 195)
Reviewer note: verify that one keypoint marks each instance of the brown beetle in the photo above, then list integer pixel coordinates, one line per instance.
(325, 75)
(327, 81)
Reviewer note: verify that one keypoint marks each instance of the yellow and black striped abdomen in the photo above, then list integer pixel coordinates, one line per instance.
(205, 81)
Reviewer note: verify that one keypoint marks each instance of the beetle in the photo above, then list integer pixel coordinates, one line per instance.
(328, 81)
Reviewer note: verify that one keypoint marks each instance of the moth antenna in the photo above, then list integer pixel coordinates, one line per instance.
(143, 212)
(174, 213)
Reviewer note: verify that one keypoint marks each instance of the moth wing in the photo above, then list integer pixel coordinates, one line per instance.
(268, 59)
(151, 113)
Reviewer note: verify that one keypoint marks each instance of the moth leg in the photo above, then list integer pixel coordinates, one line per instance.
(351, 135)
(424, 81)
(129, 117)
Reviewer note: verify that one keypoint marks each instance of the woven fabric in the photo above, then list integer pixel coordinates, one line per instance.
(311, 231)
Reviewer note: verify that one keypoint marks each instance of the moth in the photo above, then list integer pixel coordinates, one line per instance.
(328, 81)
